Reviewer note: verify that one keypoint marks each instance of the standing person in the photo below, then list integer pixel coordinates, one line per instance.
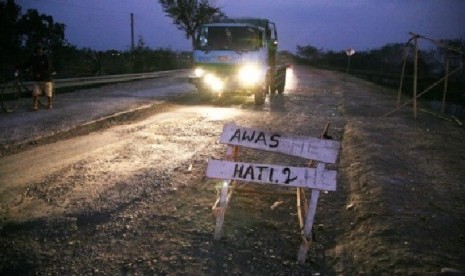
(41, 75)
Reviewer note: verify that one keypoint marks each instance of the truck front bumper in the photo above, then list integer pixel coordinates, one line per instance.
(246, 79)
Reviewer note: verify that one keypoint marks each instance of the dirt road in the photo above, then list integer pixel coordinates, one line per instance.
(129, 196)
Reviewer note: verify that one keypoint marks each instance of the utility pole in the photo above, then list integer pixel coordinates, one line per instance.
(132, 32)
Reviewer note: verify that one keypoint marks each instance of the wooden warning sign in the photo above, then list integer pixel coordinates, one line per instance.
(307, 147)
(273, 174)
(315, 178)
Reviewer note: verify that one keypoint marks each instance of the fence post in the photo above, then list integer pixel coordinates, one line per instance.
(402, 75)
(415, 78)
(445, 86)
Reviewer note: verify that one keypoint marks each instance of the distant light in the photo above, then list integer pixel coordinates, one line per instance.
(350, 51)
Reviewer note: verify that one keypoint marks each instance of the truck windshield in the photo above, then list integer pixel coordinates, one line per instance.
(229, 38)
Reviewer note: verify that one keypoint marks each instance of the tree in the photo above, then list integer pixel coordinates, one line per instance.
(10, 40)
(308, 52)
(188, 15)
(40, 28)
(20, 33)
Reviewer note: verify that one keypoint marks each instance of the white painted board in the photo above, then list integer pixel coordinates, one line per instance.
(307, 147)
(273, 174)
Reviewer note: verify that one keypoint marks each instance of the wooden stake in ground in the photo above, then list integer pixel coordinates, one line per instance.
(221, 204)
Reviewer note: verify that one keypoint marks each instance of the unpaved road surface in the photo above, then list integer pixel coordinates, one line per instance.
(127, 194)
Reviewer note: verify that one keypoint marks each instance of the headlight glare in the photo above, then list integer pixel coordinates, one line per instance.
(199, 72)
(214, 82)
(249, 74)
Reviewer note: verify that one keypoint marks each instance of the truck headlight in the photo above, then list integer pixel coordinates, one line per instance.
(215, 83)
(249, 74)
(199, 72)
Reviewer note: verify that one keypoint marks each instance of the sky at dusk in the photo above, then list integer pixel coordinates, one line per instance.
(325, 24)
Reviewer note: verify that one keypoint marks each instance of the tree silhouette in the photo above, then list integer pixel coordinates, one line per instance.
(10, 40)
(40, 28)
(188, 15)
(20, 33)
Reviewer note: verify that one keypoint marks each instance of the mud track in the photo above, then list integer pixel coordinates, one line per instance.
(129, 196)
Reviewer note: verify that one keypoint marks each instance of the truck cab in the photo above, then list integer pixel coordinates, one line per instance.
(237, 56)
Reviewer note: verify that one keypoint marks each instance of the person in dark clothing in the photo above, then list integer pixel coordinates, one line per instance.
(41, 75)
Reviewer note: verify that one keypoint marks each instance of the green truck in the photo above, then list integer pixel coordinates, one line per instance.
(238, 56)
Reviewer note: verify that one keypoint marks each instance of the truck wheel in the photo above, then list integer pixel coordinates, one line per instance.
(272, 87)
(259, 97)
(269, 84)
(281, 87)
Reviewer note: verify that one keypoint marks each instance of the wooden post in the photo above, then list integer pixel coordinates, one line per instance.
(425, 91)
(445, 86)
(415, 78)
(402, 75)
(313, 203)
(307, 231)
(220, 206)
(221, 209)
